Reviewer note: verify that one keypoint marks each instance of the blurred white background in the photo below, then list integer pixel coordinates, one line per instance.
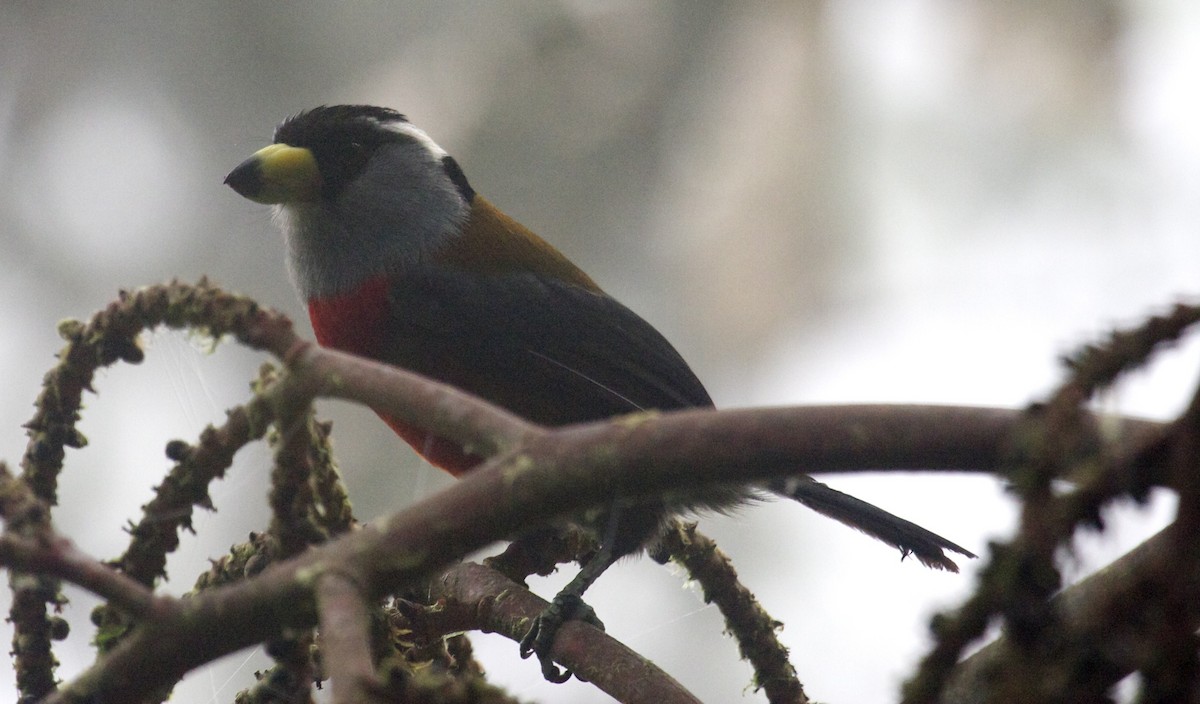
(838, 201)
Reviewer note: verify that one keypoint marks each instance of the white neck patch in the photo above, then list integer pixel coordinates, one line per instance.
(410, 130)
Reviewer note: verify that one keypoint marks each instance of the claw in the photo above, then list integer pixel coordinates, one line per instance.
(540, 638)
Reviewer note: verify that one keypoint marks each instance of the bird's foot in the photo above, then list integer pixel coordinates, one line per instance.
(540, 638)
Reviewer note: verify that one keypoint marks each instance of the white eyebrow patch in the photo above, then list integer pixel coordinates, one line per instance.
(410, 130)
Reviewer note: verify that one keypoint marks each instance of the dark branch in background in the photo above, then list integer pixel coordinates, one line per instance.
(1171, 668)
(1097, 609)
(1058, 441)
(536, 473)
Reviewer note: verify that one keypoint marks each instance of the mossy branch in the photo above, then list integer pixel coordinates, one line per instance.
(313, 564)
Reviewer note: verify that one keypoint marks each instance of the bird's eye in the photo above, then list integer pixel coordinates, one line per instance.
(356, 153)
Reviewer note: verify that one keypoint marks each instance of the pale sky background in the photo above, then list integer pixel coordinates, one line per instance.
(840, 201)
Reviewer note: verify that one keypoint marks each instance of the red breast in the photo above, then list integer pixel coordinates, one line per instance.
(353, 321)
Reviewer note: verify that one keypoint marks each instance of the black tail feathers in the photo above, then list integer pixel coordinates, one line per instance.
(908, 537)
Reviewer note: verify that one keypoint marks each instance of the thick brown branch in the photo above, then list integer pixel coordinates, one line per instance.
(682, 448)
(814, 438)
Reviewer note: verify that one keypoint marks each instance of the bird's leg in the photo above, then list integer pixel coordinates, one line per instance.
(567, 605)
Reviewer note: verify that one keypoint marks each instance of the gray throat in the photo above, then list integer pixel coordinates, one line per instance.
(401, 208)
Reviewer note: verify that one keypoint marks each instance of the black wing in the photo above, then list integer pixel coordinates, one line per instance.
(552, 352)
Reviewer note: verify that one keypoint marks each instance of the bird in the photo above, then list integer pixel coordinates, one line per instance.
(400, 260)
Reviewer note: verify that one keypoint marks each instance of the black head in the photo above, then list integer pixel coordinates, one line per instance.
(342, 139)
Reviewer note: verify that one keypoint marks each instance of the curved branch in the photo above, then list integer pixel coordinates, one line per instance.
(59, 557)
(480, 427)
(556, 472)
(186, 487)
(110, 335)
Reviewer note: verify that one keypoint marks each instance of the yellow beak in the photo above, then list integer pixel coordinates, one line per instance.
(277, 174)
